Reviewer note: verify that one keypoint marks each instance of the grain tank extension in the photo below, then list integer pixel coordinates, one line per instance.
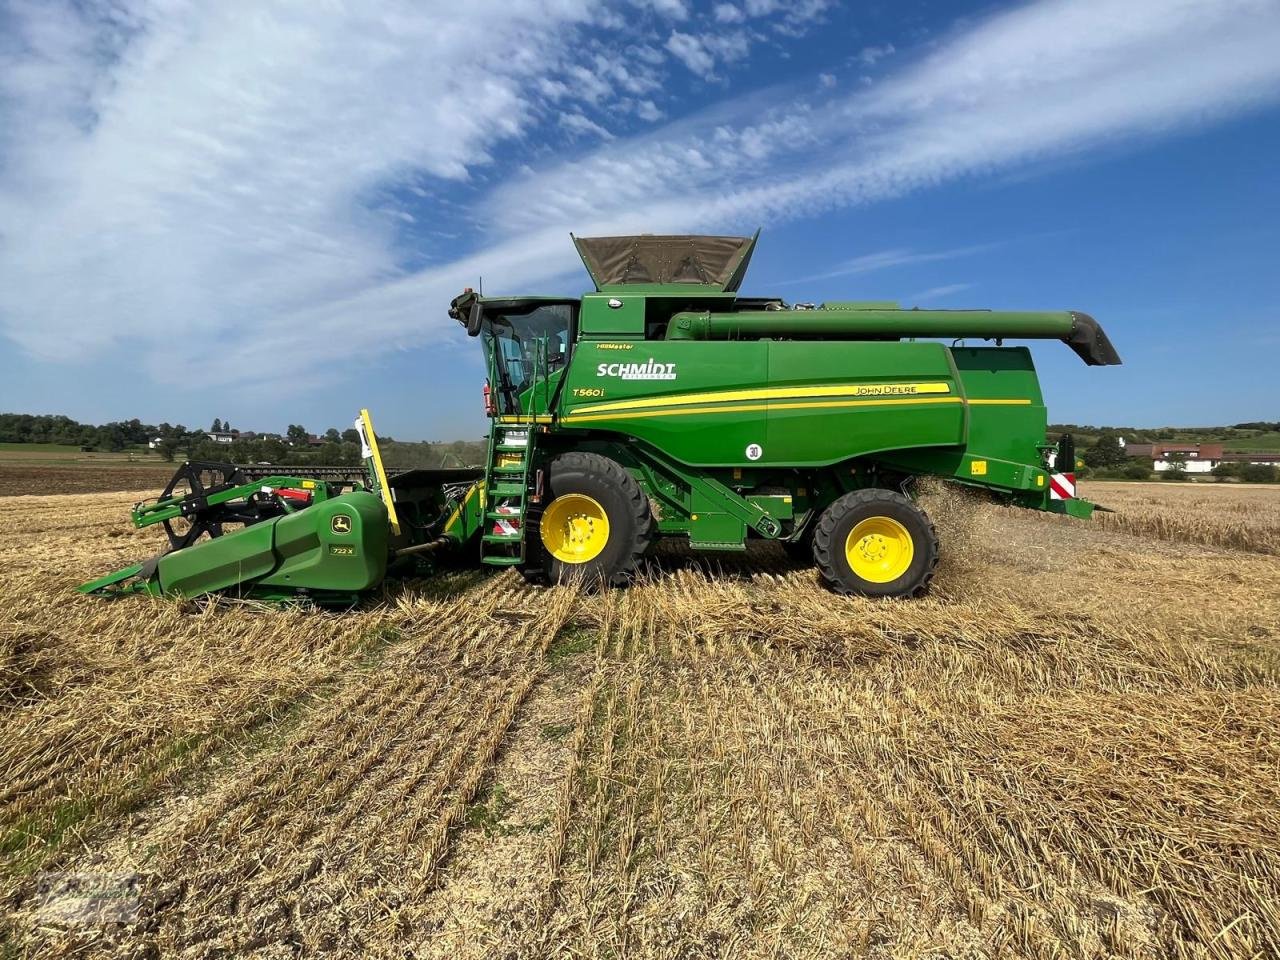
(663, 404)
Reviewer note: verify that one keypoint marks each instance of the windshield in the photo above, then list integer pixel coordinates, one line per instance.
(517, 338)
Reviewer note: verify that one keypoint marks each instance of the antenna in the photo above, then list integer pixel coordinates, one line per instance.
(481, 286)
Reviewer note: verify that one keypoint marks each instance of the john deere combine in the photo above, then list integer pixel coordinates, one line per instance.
(661, 405)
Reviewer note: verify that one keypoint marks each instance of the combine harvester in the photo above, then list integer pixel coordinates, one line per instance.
(661, 405)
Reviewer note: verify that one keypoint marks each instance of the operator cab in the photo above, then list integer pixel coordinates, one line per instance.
(526, 340)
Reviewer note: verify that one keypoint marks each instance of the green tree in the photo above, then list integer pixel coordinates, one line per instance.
(351, 435)
(1258, 473)
(1175, 466)
(332, 435)
(168, 447)
(1105, 452)
(1226, 470)
(217, 425)
(296, 433)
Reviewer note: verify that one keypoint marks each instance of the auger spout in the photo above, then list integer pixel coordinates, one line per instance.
(1078, 330)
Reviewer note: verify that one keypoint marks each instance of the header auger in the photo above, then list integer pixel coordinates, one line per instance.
(662, 404)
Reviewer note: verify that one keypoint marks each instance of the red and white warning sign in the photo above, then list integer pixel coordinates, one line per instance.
(1062, 486)
(505, 528)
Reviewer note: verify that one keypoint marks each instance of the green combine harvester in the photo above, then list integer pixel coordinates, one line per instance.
(661, 405)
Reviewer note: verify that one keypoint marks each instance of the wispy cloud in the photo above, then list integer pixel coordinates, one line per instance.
(938, 293)
(897, 257)
(203, 182)
(1047, 79)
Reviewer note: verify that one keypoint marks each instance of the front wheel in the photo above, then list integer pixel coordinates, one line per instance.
(876, 543)
(596, 523)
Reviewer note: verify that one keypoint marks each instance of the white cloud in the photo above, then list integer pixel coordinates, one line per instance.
(648, 110)
(198, 184)
(646, 54)
(827, 80)
(1046, 79)
(201, 176)
(689, 50)
(938, 293)
(897, 257)
(727, 13)
(579, 125)
(701, 53)
(675, 9)
(552, 89)
(868, 56)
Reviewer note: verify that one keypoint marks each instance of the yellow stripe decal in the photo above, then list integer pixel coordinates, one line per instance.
(757, 407)
(387, 502)
(457, 511)
(1023, 402)
(774, 393)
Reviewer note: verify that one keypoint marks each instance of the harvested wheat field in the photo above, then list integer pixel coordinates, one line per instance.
(1068, 750)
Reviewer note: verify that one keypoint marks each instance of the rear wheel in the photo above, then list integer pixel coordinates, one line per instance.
(596, 523)
(876, 543)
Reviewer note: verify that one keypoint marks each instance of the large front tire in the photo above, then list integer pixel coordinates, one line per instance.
(595, 524)
(876, 543)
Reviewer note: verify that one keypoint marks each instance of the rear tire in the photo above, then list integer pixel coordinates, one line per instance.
(595, 525)
(876, 543)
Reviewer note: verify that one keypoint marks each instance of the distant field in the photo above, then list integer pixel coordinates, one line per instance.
(19, 477)
(1268, 442)
(43, 449)
(40, 455)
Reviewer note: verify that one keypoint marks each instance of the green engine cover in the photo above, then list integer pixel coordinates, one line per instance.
(338, 545)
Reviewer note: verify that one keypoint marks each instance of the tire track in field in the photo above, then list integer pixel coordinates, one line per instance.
(327, 841)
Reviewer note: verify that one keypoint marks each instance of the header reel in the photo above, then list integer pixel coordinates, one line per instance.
(202, 496)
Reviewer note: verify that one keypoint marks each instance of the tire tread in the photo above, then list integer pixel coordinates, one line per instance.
(823, 546)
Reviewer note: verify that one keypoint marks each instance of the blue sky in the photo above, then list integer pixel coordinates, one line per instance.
(259, 210)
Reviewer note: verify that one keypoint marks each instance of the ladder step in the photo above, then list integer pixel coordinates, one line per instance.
(502, 561)
(498, 515)
(507, 490)
(509, 468)
(501, 537)
(511, 447)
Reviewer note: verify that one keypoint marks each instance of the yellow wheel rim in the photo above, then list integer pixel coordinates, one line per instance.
(879, 549)
(574, 528)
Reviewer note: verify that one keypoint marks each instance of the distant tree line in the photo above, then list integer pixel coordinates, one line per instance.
(1086, 434)
(114, 436)
(294, 446)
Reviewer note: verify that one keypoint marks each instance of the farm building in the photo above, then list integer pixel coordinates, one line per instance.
(1195, 457)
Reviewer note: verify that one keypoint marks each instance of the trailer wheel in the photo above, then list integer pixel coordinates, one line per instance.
(596, 523)
(876, 543)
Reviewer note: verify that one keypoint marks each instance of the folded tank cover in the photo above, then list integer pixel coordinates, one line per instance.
(718, 262)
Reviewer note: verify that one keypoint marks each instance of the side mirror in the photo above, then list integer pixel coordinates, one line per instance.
(475, 318)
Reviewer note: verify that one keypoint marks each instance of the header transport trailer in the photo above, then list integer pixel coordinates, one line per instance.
(661, 405)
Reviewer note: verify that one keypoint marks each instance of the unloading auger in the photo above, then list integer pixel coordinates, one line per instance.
(663, 404)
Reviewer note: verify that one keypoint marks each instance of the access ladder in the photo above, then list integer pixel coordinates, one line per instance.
(506, 485)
